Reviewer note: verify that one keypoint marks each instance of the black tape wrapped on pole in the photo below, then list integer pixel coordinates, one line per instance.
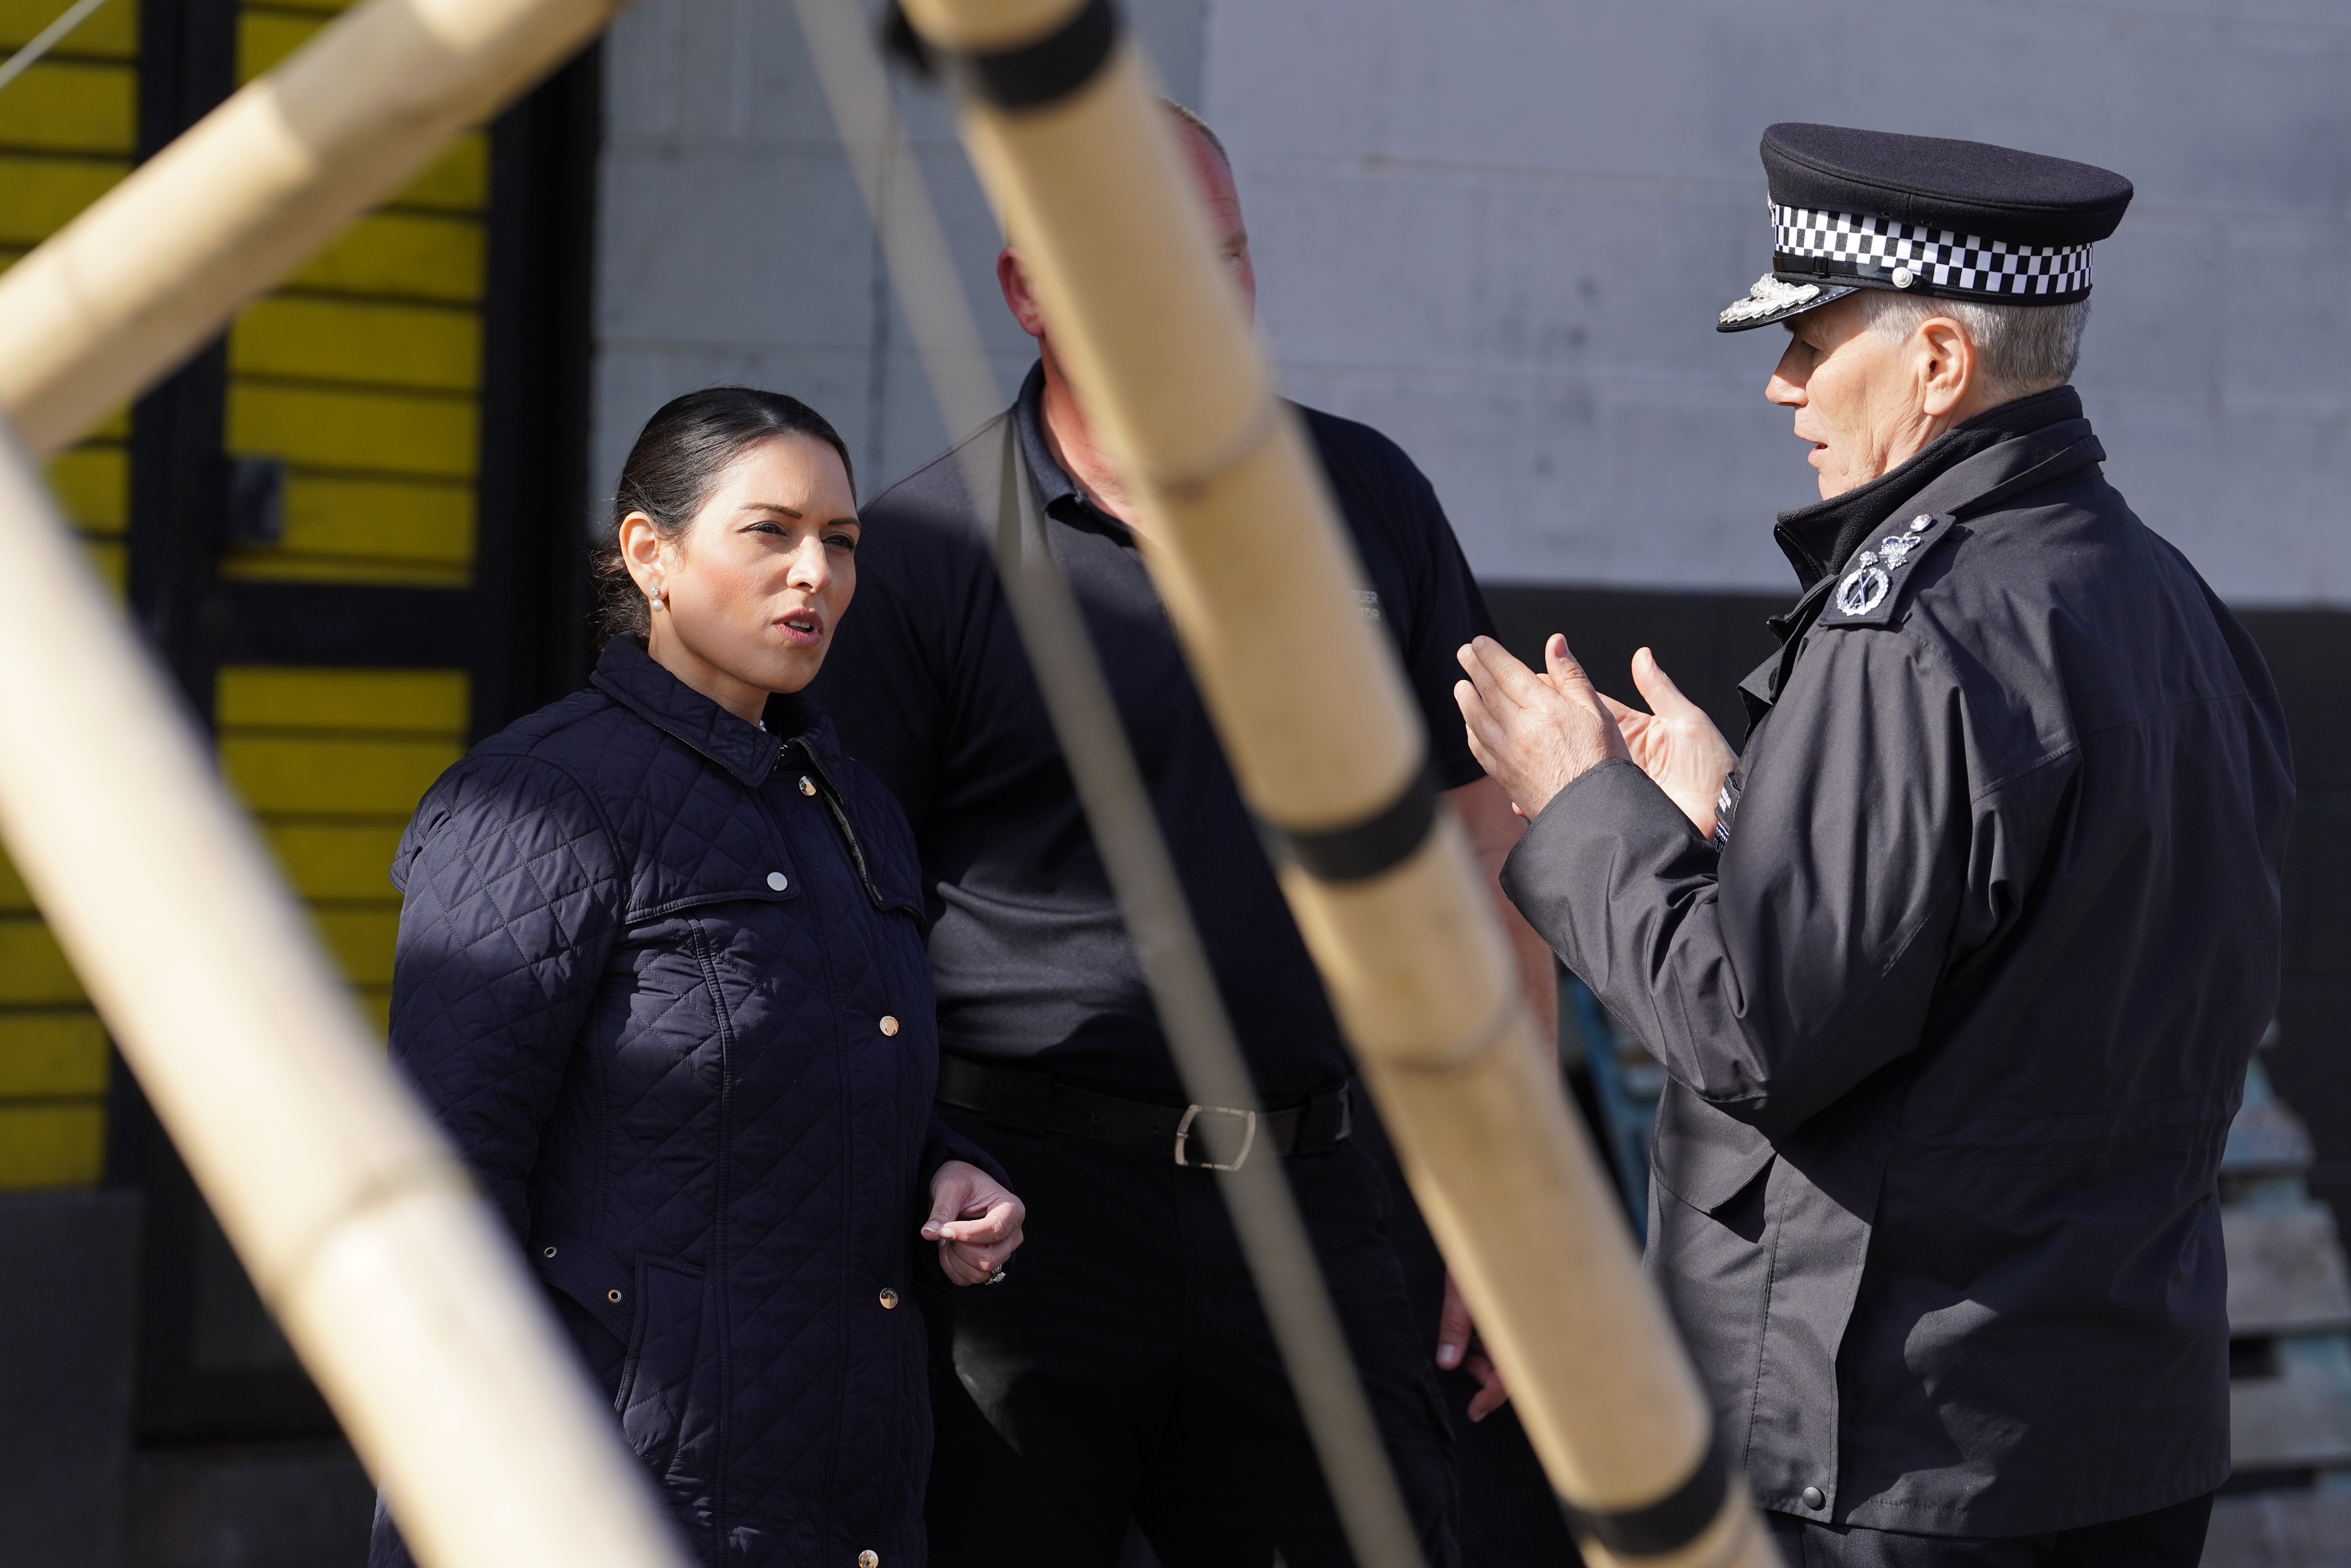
(1118, 808)
(1244, 543)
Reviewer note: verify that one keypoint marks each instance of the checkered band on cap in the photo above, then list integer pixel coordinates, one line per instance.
(1858, 246)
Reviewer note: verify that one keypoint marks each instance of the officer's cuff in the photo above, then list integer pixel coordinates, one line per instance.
(1610, 825)
(1617, 793)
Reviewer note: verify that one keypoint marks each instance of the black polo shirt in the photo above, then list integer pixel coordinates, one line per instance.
(931, 689)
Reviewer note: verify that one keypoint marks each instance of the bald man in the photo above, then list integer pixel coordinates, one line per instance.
(1125, 1370)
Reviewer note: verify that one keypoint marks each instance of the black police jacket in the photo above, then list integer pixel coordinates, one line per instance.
(1957, 1015)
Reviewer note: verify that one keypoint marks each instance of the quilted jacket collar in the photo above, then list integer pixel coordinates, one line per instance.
(627, 674)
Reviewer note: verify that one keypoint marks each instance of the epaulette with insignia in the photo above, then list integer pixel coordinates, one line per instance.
(1872, 584)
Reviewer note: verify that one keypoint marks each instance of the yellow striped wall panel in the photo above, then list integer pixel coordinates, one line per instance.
(397, 255)
(341, 861)
(332, 763)
(33, 968)
(458, 181)
(395, 519)
(311, 776)
(112, 33)
(334, 428)
(367, 342)
(362, 374)
(52, 1056)
(39, 195)
(265, 36)
(93, 484)
(72, 105)
(361, 941)
(51, 1144)
(113, 564)
(417, 532)
(376, 701)
(66, 131)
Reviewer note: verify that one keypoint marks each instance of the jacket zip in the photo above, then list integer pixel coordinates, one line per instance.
(840, 812)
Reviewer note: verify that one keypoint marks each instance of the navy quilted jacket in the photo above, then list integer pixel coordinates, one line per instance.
(661, 975)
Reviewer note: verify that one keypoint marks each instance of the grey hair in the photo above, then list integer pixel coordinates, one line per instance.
(2025, 348)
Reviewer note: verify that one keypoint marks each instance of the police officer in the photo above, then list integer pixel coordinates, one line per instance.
(1957, 965)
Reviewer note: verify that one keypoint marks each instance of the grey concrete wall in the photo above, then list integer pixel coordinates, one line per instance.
(1501, 231)
(733, 246)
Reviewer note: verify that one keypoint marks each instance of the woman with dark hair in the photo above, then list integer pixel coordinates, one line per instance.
(661, 975)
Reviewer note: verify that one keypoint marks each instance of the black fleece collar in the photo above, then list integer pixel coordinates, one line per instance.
(1819, 539)
(627, 674)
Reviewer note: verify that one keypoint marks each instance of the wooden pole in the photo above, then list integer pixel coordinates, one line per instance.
(1242, 539)
(116, 299)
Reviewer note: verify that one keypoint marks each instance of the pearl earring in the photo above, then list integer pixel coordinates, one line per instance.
(660, 598)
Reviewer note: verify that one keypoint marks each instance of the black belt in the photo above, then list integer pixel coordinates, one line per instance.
(1214, 1137)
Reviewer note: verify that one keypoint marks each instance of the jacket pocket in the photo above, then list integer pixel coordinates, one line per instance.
(666, 1400)
(1703, 1156)
(590, 1276)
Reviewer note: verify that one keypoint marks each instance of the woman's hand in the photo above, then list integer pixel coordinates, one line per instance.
(1675, 742)
(975, 1220)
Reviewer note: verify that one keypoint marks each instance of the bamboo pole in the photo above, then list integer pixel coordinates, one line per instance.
(1081, 163)
(116, 299)
(404, 1296)
(1273, 1238)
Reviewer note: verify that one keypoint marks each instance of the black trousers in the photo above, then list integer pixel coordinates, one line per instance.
(2168, 1538)
(1125, 1370)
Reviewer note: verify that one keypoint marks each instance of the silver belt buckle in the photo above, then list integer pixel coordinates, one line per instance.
(1184, 1134)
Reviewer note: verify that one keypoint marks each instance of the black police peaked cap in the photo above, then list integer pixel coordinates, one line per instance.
(1921, 214)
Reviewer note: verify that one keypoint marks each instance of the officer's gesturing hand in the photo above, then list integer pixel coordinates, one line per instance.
(1675, 742)
(975, 1221)
(1535, 733)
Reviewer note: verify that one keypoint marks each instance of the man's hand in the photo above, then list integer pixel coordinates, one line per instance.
(1456, 1346)
(1535, 733)
(1675, 742)
(976, 1222)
